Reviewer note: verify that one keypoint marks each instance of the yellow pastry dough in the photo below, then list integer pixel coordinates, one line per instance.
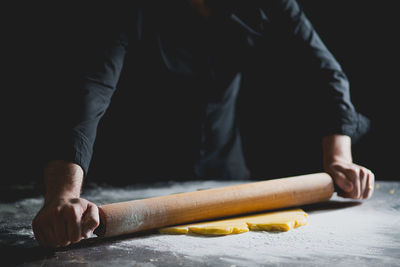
(271, 221)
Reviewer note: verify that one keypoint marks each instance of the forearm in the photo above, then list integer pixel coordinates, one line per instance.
(62, 180)
(336, 148)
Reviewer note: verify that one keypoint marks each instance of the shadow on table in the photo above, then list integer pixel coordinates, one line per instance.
(330, 205)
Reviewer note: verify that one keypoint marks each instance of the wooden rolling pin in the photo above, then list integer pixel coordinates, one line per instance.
(152, 213)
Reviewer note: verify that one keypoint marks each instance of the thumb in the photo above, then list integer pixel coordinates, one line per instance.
(90, 220)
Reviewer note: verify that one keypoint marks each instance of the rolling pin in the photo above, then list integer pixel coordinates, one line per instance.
(152, 213)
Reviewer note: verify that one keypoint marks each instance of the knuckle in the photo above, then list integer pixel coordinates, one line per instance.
(59, 209)
(353, 172)
(372, 175)
(364, 172)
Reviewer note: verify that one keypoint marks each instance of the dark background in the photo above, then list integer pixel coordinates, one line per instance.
(362, 36)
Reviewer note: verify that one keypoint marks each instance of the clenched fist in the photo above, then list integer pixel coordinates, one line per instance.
(65, 221)
(354, 181)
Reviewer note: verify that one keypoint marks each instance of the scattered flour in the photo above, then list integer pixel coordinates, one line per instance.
(327, 234)
(369, 230)
(362, 230)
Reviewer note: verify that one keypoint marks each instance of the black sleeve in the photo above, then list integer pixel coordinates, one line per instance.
(339, 114)
(87, 95)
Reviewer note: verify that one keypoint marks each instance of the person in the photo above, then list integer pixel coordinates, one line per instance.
(197, 51)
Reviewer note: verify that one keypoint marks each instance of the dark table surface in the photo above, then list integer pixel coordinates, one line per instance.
(339, 232)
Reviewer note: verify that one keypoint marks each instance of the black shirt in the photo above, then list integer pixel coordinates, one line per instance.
(200, 64)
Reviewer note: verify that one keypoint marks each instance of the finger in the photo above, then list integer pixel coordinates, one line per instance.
(90, 220)
(343, 183)
(59, 232)
(50, 236)
(353, 175)
(74, 226)
(44, 239)
(370, 185)
(66, 233)
(363, 181)
(38, 235)
(36, 232)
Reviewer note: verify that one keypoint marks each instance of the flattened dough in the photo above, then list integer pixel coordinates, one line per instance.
(271, 221)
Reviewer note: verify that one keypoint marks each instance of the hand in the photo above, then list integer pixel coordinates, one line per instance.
(353, 180)
(65, 221)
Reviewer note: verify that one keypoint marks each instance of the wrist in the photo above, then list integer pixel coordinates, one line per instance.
(336, 148)
(63, 180)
